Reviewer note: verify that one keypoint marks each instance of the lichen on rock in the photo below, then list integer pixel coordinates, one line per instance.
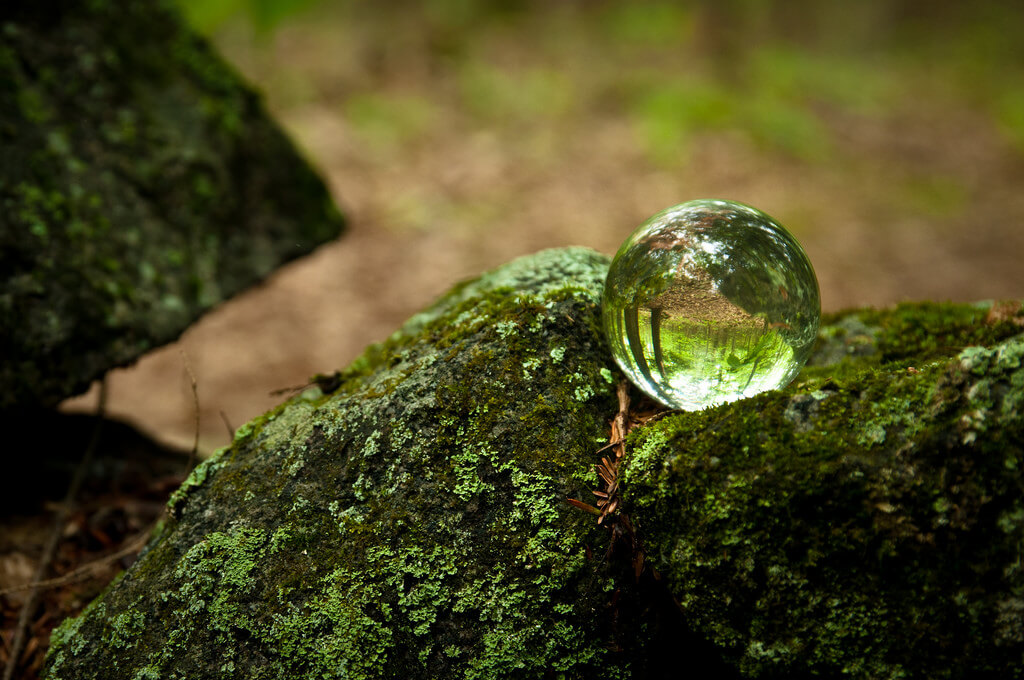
(411, 522)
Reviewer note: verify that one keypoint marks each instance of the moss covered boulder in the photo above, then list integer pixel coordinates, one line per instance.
(867, 523)
(141, 182)
(407, 517)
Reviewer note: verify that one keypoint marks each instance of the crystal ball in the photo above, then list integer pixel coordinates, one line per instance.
(708, 302)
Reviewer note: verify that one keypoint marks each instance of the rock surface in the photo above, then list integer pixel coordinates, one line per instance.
(406, 518)
(869, 524)
(141, 183)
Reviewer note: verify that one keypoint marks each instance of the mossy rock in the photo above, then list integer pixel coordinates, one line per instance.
(141, 183)
(866, 523)
(411, 520)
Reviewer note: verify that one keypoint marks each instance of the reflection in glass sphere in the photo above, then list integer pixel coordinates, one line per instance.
(708, 302)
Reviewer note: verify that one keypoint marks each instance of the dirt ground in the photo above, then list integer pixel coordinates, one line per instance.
(454, 146)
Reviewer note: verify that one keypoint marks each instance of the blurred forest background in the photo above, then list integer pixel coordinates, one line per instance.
(887, 135)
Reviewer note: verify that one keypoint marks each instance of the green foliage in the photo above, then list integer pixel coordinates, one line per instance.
(390, 122)
(496, 94)
(650, 25)
(267, 15)
(208, 15)
(1009, 111)
(786, 73)
(670, 115)
(781, 79)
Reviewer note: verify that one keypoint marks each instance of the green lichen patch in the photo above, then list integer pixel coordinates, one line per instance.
(866, 527)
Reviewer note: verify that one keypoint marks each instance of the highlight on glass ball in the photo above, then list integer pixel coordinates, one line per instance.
(708, 302)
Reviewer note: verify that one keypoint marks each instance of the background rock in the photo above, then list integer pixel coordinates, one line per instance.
(141, 183)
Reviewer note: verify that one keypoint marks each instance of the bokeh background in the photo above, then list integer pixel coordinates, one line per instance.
(887, 135)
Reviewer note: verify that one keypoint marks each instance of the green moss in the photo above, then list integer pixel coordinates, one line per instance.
(824, 532)
(925, 331)
(195, 479)
(33, 106)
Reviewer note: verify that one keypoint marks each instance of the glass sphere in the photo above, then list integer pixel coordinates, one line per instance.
(708, 302)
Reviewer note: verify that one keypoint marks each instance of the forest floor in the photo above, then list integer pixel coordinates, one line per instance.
(125, 480)
(457, 139)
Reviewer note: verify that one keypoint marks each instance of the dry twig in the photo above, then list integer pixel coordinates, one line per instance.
(227, 424)
(89, 569)
(195, 402)
(608, 468)
(608, 497)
